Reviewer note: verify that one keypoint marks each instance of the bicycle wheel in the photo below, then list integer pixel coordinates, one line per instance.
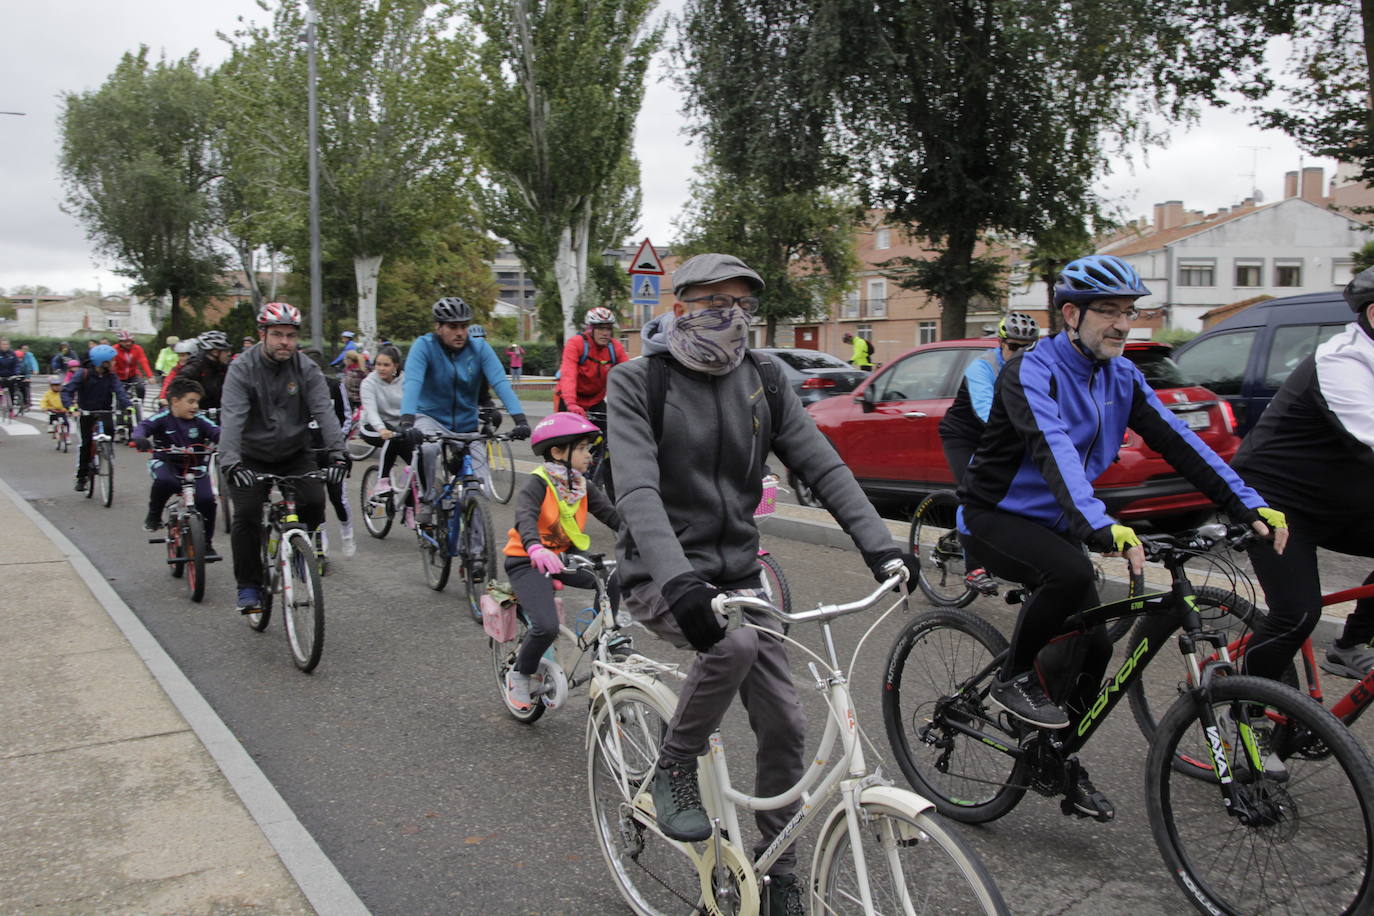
(226, 503)
(1304, 843)
(433, 543)
(500, 484)
(259, 620)
(193, 549)
(175, 538)
(358, 448)
(302, 602)
(64, 438)
(106, 473)
(652, 873)
(931, 684)
(377, 515)
(1163, 682)
(803, 492)
(774, 584)
(502, 660)
(934, 542)
(478, 550)
(915, 865)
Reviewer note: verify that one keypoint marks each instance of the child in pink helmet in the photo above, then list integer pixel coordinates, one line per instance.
(550, 520)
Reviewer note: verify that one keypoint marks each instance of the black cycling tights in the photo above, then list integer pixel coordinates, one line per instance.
(1061, 575)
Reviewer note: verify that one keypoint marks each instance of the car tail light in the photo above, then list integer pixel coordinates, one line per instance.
(1131, 440)
(1228, 416)
(816, 381)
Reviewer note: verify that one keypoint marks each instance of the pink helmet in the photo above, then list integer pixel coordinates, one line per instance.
(73, 364)
(279, 313)
(560, 429)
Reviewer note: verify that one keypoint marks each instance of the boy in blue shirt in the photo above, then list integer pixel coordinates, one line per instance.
(178, 426)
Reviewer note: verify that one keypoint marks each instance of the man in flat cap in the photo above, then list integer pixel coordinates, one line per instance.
(690, 428)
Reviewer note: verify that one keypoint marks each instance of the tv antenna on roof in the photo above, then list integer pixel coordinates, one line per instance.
(1253, 174)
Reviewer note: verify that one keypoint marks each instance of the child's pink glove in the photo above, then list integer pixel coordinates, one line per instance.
(545, 560)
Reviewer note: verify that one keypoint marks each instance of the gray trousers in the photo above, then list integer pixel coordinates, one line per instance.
(429, 454)
(754, 665)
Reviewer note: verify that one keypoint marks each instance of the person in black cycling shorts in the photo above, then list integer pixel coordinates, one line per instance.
(1312, 454)
(964, 422)
(1057, 422)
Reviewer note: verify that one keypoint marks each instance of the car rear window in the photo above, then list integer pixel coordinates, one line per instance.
(803, 361)
(1291, 345)
(1160, 371)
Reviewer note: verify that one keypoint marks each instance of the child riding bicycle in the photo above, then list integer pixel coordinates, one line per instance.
(178, 426)
(550, 520)
(51, 403)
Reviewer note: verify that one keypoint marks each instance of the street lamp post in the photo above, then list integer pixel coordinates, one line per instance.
(316, 307)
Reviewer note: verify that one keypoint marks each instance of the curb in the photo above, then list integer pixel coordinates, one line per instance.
(317, 877)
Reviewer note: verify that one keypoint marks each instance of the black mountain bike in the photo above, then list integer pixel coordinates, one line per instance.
(1254, 838)
(186, 534)
(460, 526)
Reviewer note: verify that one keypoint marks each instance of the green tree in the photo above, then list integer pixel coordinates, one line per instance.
(138, 170)
(768, 191)
(562, 85)
(392, 76)
(454, 260)
(1363, 258)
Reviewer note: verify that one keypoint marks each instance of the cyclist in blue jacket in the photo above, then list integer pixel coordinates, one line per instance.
(1057, 422)
(445, 370)
(92, 389)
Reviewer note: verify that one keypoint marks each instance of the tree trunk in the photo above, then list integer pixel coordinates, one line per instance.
(175, 295)
(365, 270)
(570, 265)
(272, 275)
(1053, 315)
(957, 257)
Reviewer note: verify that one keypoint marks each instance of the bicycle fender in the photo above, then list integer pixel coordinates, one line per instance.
(596, 698)
(903, 801)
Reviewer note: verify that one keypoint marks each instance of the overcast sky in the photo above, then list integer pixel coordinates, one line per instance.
(72, 45)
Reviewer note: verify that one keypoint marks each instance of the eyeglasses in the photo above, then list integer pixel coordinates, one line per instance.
(1130, 314)
(722, 301)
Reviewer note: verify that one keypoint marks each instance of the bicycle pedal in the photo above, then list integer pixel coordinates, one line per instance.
(157, 540)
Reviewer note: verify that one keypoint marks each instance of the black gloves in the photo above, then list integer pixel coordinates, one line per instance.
(143, 443)
(336, 471)
(407, 431)
(689, 598)
(491, 417)
(241, 477)
(522, 427)
(883, 564)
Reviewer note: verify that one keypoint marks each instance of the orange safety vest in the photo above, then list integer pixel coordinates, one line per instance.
(555, 517)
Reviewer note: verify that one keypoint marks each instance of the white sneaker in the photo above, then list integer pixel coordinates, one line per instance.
(349, 547)
(518, 690)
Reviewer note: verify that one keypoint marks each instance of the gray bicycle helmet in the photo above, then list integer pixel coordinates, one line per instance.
(213, 340)
(1018, 326)
(452, 308)
(476, 330)
(1359, 292)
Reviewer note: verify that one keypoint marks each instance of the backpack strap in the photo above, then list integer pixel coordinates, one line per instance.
(656, 388)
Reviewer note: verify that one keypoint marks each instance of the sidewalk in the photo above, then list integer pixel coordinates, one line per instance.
(110, 801)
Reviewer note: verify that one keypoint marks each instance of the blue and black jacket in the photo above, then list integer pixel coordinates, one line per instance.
(1057, 422)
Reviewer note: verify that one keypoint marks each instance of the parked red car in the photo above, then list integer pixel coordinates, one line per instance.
(886, 431)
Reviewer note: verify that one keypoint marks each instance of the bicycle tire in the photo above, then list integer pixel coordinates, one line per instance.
(377, 527)
(479, 561)
(174, 540)
(775, 583)
(302, 602)
(651, 873)
(1317, 829)
(933, 655)
(107, 473)
(193, 549)
(502, 660)
(435, 556)
(946, 876)
(226, 502)
(802, 491)
(933, 541)
(358, 448)
(259, 620)
(500, 483)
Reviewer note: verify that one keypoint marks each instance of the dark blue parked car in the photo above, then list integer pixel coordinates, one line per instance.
(1245, 358)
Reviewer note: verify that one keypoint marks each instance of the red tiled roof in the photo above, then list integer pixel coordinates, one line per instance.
(1156, 240)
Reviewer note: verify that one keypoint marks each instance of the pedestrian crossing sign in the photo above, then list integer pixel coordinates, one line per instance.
(644, 288)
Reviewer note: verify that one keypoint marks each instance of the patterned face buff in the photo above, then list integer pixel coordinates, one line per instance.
(710, 340)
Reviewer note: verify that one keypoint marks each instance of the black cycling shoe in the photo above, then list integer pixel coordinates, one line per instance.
(782, 897)
(152, 522)
(677, 802)
(1024, 698)
(80, 485)
(211, 553)
(1083, 800)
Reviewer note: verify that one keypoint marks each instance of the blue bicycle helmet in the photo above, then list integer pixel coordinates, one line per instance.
(1098, 276)
(476, 330)
(104, 353)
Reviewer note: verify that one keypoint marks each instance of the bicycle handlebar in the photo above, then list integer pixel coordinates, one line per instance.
(1235, 537)
(732, 605)
(590, 562)
(278, 478)
(466, 437)
(193, 450)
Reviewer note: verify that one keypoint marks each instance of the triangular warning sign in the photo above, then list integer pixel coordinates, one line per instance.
(646, 260)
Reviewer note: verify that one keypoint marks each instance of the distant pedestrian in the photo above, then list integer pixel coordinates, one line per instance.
(515, 355)
(862, 357)
(58, 363)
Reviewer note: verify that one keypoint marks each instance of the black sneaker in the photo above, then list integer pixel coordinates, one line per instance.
(80, 485)
(211, 553)
(782, 897)
(1085, 801)
(152, 522)
(677, 802)
(1024, 698)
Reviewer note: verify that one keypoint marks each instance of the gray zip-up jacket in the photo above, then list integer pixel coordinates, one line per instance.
(688, 502)
(266, 408)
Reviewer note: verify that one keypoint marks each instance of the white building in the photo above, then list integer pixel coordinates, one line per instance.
(65, 316)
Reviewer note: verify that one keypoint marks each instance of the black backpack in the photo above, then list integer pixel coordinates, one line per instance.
(657, 388)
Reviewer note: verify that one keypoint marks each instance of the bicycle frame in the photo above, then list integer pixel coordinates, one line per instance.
(466, 479)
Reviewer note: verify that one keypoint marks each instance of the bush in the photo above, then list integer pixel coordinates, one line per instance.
(541, 357)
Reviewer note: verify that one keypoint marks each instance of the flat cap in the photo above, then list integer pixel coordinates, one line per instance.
(712, 268)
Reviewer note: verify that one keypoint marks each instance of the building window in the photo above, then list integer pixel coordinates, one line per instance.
(1288, 274)
(1197, 275)
(925, 332)
(877, 298)
(865, 331)
(850, 307)
(1249, 273)
(882, 239)
(111, 323)
(1342, 269)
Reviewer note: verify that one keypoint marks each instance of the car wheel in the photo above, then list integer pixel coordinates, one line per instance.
(803, 491)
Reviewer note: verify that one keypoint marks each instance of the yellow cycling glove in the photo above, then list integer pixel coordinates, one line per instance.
(1124, 537)
(1273, 517)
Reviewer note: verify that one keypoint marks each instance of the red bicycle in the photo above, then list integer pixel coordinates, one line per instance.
(1224, 610)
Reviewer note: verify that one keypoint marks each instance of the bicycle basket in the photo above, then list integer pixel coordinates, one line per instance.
(768, 505)
(498, 614)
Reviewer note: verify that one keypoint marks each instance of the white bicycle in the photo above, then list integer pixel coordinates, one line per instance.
(881, 849)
